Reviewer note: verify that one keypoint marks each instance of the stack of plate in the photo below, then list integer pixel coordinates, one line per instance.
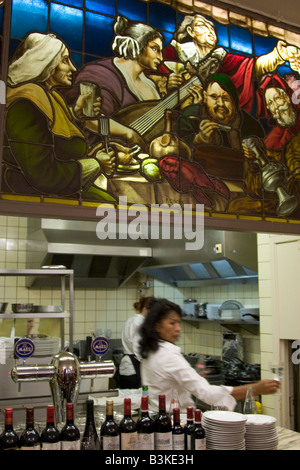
(225, 430)
(212, 311)
(261, 432)
(45, 346)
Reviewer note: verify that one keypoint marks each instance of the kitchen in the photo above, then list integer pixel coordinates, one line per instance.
(106, 309)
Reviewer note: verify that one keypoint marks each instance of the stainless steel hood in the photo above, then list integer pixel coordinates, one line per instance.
(75, 245)
(225, 256)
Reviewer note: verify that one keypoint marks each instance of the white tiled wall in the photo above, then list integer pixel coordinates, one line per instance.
(108, 309)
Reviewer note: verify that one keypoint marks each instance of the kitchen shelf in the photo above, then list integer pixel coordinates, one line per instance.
(64, 274)
(234, 325)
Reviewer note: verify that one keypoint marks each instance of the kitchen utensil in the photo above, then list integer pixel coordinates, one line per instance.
(47, 309)
(3, 306)
(22, 308)
(104, 130)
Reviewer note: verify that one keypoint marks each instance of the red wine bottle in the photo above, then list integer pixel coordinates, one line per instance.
(70, 435)
(30, 438)
(162, 427)
(198, 436)
(189, 428)
(145, 427)
(90, 439)
(9, 438)
(50, 436)
(177, 431)
(109, 431)
(128, 428)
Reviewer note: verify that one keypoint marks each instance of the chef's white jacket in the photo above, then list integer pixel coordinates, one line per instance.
(130, 342)
(166, 370)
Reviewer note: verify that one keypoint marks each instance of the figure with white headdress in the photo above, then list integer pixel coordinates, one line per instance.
(46, 151)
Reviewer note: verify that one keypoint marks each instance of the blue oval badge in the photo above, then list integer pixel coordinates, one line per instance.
(100, 345)
(24, 348)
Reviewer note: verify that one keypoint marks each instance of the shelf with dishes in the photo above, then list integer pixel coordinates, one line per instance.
(230, 314)
(30, 311)
(234, 325)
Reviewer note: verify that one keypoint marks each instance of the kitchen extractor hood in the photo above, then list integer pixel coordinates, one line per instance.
(226, 256)
(75, 245)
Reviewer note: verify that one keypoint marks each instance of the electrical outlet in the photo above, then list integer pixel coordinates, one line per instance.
(218, 248)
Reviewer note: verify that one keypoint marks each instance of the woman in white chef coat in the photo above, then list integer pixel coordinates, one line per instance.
(165, 370)
(129, 369)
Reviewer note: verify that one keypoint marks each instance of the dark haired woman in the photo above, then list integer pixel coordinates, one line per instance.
(129, 369)
(165, 370)
(121, 79)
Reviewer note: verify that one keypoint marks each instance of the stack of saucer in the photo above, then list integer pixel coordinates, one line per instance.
(225, 430)
(261, 432)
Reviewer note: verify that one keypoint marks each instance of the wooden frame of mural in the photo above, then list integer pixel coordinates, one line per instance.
(208, 117)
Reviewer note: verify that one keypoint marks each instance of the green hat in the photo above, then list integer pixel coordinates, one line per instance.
(227, 84)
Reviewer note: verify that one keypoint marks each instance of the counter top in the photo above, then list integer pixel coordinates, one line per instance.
(287, 439)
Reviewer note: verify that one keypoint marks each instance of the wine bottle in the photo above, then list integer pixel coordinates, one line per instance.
(9, 438)
(145, 393)
(177, 431)
(168, 143)
(189, 427)
(70, 435)
(198, 436)
(50, 436)
(162, 427)
(145, 427)
(109, 431)
(90, 439)
(30, 438)
(128, 428)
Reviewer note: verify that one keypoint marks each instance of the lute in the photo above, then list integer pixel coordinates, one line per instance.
(147, 117)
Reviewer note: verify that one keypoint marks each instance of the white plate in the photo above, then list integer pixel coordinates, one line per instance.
(260, 420)
(224, 416)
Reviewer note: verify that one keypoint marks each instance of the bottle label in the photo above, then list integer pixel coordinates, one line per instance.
(51, 446)
(129, 440)
(35, 447)
(70, 445)
(178, 441)
(163, 440)
(188, 442)
(111, 442)
(200, 444)
(145, 441)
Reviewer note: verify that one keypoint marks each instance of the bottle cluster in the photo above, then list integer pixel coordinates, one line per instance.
(162, 432)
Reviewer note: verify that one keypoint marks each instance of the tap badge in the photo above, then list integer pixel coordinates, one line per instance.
(24, 348)
(100, 345)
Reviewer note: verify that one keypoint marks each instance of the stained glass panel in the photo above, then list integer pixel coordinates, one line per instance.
(102, 6)
(162, 16)
(28, 15)
(133, 9)
(98, 34)
(67, 23)
(240, 39)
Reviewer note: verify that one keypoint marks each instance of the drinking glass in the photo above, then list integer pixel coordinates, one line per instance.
(277, 370)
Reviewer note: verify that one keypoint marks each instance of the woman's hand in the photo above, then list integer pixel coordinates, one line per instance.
(174, 81)
(265, 387)
(81, 103)
(107, 161)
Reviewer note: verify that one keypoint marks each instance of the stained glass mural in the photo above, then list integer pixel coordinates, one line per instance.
(106, 99)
